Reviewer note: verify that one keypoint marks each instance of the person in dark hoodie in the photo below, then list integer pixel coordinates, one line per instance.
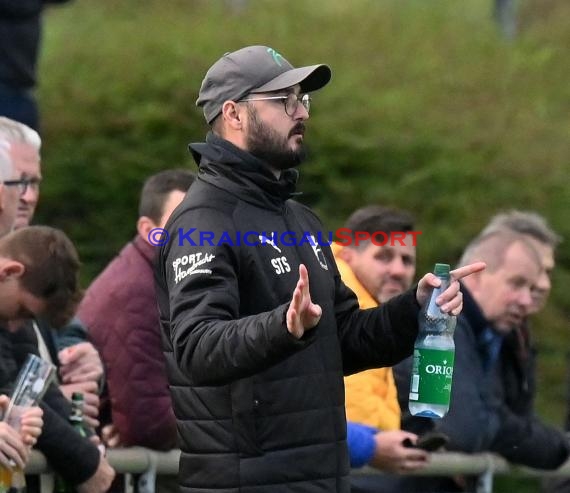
(256, 356)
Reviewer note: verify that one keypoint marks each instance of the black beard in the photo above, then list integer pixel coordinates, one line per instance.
(265, 144)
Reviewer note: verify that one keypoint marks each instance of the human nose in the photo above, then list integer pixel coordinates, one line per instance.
(301, 113)
(30, 194)
(397, 267)
(543, 284)
(525, 297)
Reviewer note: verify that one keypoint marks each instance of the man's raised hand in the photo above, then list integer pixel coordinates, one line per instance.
(302, 314)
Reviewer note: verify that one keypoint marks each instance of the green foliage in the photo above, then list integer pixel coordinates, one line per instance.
(429, 109)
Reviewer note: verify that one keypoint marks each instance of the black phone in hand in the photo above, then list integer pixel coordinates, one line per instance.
(430, 441)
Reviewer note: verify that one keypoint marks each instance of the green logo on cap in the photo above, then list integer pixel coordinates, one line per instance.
(276, 56)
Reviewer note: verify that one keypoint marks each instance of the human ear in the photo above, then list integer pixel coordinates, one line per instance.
(11, 268)
(232, 115)
(346, 254)
(144, 226)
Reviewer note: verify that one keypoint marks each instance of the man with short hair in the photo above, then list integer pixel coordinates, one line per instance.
(39, 274)
(517, 369)
(496, 302)
(255, 357)
(120, 305)
(544, 240)
(384, 270)
(376, 273)
(39, 270)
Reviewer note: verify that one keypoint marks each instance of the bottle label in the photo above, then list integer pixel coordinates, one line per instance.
(431, 376)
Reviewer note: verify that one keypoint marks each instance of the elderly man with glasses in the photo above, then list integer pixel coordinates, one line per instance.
(13, 144)
(21, 148)
(19, 191)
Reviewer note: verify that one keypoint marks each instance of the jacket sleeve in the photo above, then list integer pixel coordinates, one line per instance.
(361, 443)
(526, 440)
(69, 335)
(375, 337)
(141, 404)
(211, 344)
(72, 456)
(479, 419)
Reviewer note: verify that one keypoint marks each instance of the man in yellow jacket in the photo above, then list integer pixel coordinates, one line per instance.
(377, 260)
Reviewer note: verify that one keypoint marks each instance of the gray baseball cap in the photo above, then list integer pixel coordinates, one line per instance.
(254, 69)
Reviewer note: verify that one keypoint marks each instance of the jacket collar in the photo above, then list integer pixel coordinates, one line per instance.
(489, 341)
(473, 313)
(223, 164)
(145, 249)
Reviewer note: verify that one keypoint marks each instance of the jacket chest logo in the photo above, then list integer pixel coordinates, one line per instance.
(318, 251)
(264, 240)
(281, 264)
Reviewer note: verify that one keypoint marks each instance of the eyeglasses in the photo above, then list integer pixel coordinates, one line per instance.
(291, 101)
(23, 184)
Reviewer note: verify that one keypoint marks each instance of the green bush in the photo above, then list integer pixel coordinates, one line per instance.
(429, 109)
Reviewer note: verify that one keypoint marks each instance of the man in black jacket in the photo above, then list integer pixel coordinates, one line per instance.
(517, 369)
(517, 362)
(255, 357)
(480, 418)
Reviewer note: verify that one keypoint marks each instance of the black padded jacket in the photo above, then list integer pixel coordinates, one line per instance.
(257, 409)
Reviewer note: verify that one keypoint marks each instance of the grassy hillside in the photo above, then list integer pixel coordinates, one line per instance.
(429, 109)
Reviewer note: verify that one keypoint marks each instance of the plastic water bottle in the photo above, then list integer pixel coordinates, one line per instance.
(434, 354)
